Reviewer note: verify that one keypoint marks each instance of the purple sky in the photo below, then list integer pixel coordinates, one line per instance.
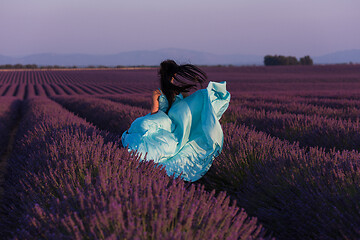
(288, 27)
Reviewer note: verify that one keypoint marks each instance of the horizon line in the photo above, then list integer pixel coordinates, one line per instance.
(161, 49)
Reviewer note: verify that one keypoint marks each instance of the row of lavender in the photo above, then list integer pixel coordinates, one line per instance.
(324, 79)
(25, 91)
(8, 114)
(308, 130)
(328, 107)
(136, 77)
(32, 77)
(298, 193)
(289, 121)
(331, 108)
(344, 109)
(66, 179)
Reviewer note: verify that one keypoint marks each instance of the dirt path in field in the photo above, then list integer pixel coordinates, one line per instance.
(6, 155)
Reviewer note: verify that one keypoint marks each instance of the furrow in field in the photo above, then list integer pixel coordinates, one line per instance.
(57, 89)
(308, 130)
(39, 90)
(20, 91)
(85, 89)
(114, 89)
(10, 90)
(76, 89)
(46, 78)
(3, 88)
(63, 78)
(345, 113)
(109, 89)
(9, 119)
(118, 89)
(48, 90)
(8, 78)
(30, 91)
(90, 89)
(135, 100)
(3, 77)
(105, 114)
(103, 89)
(66, 89)
(318, 101)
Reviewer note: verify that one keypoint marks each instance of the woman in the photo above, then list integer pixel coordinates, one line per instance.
(182, 134)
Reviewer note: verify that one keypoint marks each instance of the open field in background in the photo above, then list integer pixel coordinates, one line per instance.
(290, 158)
(285, 79)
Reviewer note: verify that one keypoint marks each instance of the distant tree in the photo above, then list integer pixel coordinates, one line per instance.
(282, 60)
(270, 60)
(306, 60)
(31, 66)
(102, 66)
(292, 61)
(6, 66)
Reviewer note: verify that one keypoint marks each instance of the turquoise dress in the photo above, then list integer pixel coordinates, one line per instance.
(186, 140)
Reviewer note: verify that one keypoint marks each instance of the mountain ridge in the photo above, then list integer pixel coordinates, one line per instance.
(154, 57)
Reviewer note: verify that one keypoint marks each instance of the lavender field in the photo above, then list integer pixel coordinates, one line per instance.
(289, 169)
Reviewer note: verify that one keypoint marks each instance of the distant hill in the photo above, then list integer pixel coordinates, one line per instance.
(346, 56)
(151, 58)
(133, 58)
(6, 60)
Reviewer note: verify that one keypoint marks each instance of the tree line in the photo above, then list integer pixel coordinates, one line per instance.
(31, 66)
(270, 60)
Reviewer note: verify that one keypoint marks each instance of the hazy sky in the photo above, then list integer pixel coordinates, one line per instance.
(288, 27)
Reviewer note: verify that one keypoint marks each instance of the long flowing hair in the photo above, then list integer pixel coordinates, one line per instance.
(185, 76)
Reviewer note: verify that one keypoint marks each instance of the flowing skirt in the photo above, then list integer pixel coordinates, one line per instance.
(187, 139)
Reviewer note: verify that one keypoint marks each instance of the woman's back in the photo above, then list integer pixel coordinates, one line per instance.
(164, 103)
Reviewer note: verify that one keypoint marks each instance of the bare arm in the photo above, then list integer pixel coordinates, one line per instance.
(155, 102)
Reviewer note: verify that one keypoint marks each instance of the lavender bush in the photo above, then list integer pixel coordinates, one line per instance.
(9, 111)
(298, 194)
(310, 130)
(75, 184)
(135, 100)
(296, 106)
(114, 117)
(66, 179)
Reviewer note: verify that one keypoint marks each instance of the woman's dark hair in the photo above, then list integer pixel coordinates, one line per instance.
(186, 77)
